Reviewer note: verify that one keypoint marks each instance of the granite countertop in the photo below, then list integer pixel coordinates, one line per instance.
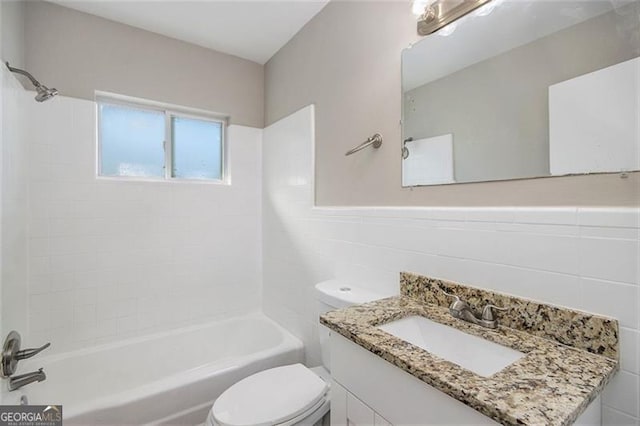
(551, 385)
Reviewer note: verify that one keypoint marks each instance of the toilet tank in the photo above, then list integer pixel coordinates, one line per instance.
(337, 294)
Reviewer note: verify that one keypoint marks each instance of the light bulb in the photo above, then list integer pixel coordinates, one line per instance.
(418, 7)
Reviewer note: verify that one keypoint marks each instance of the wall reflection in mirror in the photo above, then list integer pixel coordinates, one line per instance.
(523, 89)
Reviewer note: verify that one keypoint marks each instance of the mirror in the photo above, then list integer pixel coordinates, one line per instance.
(524, 89)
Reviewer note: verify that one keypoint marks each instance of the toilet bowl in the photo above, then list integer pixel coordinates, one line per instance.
(289, 395)
(292, 394)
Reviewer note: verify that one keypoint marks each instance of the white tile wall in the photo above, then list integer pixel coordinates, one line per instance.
(577, 257)
(110, 259)
(13, 277)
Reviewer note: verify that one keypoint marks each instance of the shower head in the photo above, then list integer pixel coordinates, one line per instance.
(43, 92)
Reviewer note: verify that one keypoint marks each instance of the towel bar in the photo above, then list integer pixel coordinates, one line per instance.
(375, 140)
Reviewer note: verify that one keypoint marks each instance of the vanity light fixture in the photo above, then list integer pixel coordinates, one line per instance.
(440, 13)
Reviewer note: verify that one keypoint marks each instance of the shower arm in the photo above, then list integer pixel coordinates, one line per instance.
(35, 82)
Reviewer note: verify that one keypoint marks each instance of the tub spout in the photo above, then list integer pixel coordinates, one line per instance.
(16, 382)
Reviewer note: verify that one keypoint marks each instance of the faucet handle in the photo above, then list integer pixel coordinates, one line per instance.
(28, 353)
(451, 295)
(487, 312)
(457, 304)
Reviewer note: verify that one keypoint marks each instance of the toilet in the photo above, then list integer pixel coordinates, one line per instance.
(292, 394)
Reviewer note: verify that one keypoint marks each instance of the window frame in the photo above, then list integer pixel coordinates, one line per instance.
(169, 111)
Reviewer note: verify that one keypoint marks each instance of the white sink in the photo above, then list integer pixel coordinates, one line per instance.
(473, 353)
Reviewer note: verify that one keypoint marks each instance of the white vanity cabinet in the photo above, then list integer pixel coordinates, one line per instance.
(347, 409)
(368, 390)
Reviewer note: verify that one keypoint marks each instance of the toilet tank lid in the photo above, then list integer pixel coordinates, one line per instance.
(340, 294)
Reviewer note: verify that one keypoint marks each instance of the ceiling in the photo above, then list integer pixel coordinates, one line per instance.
(254, 30)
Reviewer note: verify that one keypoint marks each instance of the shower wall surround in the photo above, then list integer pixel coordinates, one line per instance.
(109, 259)
(14, 178)
(582, 258)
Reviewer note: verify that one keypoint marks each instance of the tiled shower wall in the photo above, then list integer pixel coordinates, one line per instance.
(576, 257)
(14, 204)
(110, 259)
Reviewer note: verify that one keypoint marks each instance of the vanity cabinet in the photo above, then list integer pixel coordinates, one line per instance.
(367, 390)
(347, 409)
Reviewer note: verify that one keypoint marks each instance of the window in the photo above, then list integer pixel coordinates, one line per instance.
(196, 148)
(157, 143)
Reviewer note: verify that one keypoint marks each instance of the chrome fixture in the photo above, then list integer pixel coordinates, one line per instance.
(11, 354)
(43, 92)
(375, 141)
(16, 382)
(461, 310)
(441, 13)
(405, 150)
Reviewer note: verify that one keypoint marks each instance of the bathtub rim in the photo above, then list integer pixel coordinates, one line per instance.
(115, 344)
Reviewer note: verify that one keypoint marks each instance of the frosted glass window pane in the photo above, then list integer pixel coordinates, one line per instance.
(197, 148)
(131, 141)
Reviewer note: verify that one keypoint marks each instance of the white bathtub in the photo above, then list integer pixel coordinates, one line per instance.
(168, 378)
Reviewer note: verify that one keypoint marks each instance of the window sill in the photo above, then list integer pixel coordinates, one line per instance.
(133, 179)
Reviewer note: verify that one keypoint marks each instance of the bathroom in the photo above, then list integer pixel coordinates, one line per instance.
(158, 293)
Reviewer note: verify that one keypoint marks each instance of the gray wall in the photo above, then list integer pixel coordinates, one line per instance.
(498, 109)
(13, 208)
(12, 34)
(79, 53)
(347, 62)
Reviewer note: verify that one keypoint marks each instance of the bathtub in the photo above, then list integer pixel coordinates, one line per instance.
(165, 378)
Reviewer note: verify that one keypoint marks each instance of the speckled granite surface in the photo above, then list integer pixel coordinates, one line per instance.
(551, 385)
(594, 333)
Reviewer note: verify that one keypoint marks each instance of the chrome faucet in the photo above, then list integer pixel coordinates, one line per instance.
(11, 354)
(461, 310)
(16, 382)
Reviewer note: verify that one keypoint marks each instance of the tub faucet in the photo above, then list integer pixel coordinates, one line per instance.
(461, 310)
(16, 382)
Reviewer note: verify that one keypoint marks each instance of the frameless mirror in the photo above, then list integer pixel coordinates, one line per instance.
(524, 89)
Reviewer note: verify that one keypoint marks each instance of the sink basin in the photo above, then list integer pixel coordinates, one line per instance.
(471, 352)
